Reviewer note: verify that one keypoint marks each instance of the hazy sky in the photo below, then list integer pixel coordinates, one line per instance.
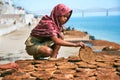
(36, 5)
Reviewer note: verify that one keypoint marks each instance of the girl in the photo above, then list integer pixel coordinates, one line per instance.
(46, 38)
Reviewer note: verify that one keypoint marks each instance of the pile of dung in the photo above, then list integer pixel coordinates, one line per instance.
(104, 67)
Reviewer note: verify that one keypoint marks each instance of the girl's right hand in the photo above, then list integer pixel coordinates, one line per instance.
(80, 44)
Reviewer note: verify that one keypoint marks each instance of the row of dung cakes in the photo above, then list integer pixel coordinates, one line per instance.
(71, 68)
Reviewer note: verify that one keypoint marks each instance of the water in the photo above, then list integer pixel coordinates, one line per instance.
(101, 27)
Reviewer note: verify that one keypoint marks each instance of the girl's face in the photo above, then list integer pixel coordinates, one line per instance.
(63, 19)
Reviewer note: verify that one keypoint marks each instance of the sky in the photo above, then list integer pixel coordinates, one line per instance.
(37, 5)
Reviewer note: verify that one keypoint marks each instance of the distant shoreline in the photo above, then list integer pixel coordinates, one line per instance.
(101, 27)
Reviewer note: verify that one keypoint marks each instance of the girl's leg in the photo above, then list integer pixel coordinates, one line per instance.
(55, 51)
(44, 51)
(56, 48)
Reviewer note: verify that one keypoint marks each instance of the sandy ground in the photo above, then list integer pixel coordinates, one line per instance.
(12, 46)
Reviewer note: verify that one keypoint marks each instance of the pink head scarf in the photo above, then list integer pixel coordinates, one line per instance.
(49, 25)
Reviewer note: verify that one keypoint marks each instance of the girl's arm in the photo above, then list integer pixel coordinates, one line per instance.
(66, 43)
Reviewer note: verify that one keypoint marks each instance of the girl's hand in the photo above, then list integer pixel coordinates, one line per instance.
(80, 44)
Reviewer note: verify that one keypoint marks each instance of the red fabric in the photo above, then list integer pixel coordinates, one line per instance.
(49, 25)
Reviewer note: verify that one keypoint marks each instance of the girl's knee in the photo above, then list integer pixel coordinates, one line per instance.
(45, 51)
(49, 51)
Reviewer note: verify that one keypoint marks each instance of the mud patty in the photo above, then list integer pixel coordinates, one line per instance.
(87, 55)
(17, 76)
(41, 75)
(74, 59)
